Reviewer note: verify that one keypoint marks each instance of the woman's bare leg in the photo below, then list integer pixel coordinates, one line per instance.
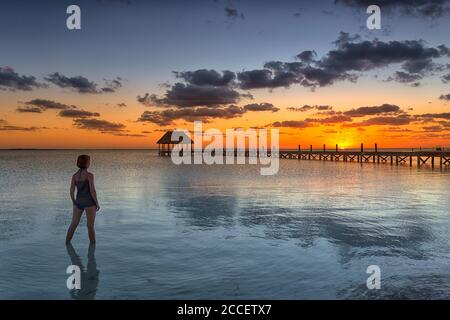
(90, 215)
(76, 216)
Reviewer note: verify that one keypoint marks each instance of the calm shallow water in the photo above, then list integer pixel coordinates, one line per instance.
(224, 232)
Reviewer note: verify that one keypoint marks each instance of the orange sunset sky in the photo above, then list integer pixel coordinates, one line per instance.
(127, 77)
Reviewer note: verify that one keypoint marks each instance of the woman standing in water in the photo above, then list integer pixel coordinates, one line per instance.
(86, 199)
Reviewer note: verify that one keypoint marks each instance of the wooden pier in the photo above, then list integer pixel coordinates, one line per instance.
(433, 159)
(375, 156)
(421, 158)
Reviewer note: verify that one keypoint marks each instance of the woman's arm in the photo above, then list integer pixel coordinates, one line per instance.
(92, 190)
(72, 190)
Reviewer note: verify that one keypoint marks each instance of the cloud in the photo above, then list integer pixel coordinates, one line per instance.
(17, 128)
(307, 56)
(395, 129)
(445, 97)
(112, 85)
(413, 55)
(5, 126)
(307, 107)
(157, 117)
(299, 124)
(329, 113)
(40, 105)
(382, 121)
(75, 113)
(404, 77)
(99, 125)
(66, 111)
(145, 99)
(331, 120)
(446, 78)
(79, 83)
(385, 114)
(204, 77)
(424, 8)
(186, 95)
(83, 85)
(429, 116)
(11, 80)
(435, 128)
(201, 87)
(135, 135)
(166, 117)
(233, 13)
(48, 104)
(29, 109)
(121, 105)
(374, 110)
(348, 61)
(261, 107)
(266, 78)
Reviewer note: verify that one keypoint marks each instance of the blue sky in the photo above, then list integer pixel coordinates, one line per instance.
(146, 40)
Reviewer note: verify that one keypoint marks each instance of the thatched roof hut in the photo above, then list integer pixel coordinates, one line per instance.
(166, 143)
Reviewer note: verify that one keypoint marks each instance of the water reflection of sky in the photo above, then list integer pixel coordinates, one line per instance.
(169, 231)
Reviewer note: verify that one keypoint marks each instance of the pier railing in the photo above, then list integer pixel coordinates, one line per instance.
(432, 158)
(420, 158)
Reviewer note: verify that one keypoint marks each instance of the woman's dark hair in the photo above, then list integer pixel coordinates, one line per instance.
(83, 161)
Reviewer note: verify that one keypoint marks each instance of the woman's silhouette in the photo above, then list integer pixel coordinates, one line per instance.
(86, 199)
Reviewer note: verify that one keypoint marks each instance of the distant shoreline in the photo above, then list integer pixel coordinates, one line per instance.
(76, 149)
(156, 149)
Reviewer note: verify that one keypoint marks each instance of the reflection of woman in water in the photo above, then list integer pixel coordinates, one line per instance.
(89, 276)
(86, 199)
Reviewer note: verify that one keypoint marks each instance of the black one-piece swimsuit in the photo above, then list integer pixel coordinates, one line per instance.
(84, 198)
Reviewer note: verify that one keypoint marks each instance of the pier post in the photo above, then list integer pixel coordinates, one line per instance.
(360, 159)
(392, 160)
(299, 152)
(432, 162)
(410, 161)
(418, 161)
(324, 147)
(440, 162)
(310, 152)
(376, 150)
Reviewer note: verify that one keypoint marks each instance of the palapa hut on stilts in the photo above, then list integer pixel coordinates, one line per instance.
(166, 144)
